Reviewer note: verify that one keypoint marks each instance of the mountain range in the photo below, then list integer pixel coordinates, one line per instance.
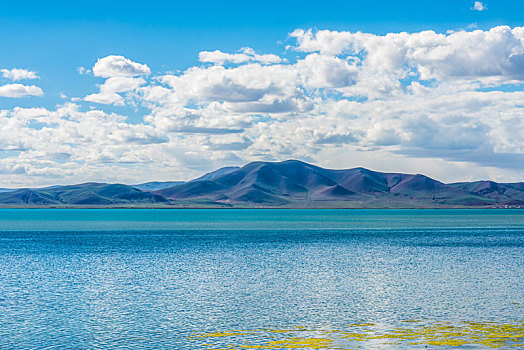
(288, 184)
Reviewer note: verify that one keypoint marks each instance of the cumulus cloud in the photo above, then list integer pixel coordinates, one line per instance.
(245, 83)
(18, 74)
(246, 55)
(322, 71)
(109, 91)
(121, 74)
(219, 57)
(83, 70)
(20, 90)
(479, 6)
(385, 61)
(119, 66)
(324, 41)
(70, 143)
(415, 102)
(411, 94)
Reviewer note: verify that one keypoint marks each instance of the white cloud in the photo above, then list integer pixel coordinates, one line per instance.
(106, 98)
(479, 6)
(121, 76)
(322, 71)
(247, 55)
(109, 91)
(324, 41)
(248, 82)
(448, 105)
(384, 83)
(19, 90)
(265, 58)
(83, 70)
(119, 66)
(18, 74)
(74, 145)
(219, 57)
(487, 56)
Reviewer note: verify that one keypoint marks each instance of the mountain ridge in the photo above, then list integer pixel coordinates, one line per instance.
(89, 193)
(299, 184)
(287, 184)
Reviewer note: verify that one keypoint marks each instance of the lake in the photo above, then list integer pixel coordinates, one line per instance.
(261, 279)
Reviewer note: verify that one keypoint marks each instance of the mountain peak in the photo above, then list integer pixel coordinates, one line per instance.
(289, 183)
(297, 183)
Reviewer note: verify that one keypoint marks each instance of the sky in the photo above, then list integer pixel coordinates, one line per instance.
(129, 91)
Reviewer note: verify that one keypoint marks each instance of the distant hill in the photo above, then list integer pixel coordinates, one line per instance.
(504, 193)
(82, 194)
(288, 184)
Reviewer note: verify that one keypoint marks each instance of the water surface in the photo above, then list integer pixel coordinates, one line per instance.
(208, 279)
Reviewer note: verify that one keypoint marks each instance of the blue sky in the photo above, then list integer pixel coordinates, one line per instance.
(55, 38)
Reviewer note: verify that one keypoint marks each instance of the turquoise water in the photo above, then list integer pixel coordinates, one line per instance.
(236, 279)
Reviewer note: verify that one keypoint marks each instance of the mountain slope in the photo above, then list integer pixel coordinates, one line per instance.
(157, 185)
(295, 183)
(286, 184)
(82, 194)
(160, 185)
(504, 193)
(262, 183)
(219, 172)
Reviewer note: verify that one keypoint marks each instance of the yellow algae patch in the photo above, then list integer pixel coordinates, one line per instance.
(481, 335)
(294, 343)
(285, 330)
(356, 336)
(221, 334)
(447, 342)
(361, 325)
(493, 343)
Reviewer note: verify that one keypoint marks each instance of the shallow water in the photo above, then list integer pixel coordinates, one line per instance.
(209, 279)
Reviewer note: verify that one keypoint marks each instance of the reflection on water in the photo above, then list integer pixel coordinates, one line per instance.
(370, 336)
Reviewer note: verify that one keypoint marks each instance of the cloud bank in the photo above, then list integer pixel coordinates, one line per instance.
(448, 105)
